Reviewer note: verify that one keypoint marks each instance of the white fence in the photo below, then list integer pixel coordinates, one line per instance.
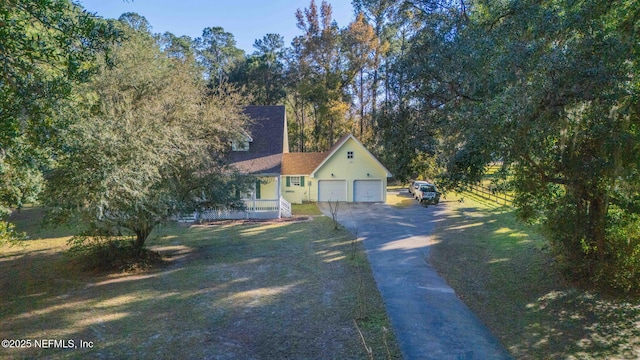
(254, 209)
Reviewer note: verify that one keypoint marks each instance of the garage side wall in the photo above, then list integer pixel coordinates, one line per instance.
(352, 162)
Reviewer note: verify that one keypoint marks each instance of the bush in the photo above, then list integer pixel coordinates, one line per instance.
(98, 251)
(621, 270)
(9, 235)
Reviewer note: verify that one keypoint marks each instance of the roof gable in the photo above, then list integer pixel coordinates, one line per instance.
(336, 147)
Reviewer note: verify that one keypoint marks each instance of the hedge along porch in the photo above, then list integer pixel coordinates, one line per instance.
(347, 172)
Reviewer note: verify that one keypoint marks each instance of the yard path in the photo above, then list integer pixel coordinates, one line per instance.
(429, 320)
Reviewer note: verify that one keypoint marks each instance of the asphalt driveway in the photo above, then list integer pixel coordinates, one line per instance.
(430, 321)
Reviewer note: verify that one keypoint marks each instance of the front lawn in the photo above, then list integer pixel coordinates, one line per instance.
(305, 209)
(505, 273)
(264, 291)
(400, 198)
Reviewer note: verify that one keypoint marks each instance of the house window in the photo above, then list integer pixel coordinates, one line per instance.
(349, 154)
(295, 181)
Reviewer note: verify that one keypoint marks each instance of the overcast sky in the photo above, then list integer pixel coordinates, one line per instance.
(247, 20)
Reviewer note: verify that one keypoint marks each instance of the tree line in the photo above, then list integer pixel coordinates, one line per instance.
(108, 130)
(435, 88)
(549, 89)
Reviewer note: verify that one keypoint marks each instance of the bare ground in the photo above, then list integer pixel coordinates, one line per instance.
(254, 291)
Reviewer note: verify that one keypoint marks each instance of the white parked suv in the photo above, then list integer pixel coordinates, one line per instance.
(415, 186)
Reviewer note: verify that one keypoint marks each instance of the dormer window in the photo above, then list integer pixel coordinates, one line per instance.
(349, 154)
(241, 144)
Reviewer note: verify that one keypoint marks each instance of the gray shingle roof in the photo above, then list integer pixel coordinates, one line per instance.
(265, 152)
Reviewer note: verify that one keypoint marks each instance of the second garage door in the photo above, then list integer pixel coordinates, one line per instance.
(334, 190)
(367, 191)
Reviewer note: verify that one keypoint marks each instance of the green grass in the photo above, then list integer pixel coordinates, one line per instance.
(506, 274)
(402, 200)
(30, 220)
(492, 176)
(305, 209)
(283, 290)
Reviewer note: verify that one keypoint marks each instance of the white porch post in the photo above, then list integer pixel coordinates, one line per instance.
(253, 199)
(279, 196)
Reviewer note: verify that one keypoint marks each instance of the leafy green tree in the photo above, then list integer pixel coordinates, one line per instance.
(583, 141)
(136, 22)
(378, 13)
(296, 78)
(361, 46)
(217, 52)
(262, 73)
(403, 124)
(46, 46)
(549, 88)
(177, 47)
(149, 144)
(325, 82)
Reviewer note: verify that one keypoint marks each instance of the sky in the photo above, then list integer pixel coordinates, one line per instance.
(247, 20)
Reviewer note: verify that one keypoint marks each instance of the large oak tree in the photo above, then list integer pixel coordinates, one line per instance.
(550, 88)
(46, 46)
(148, 144)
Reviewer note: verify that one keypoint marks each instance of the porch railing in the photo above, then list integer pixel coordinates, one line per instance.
(285, 208)
(254, 209)
(261, 205)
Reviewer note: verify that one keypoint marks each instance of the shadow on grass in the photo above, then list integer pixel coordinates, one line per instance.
(244, 291)
(30, 220)
(505, 272)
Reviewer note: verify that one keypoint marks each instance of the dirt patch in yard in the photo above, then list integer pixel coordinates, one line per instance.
(284, 290)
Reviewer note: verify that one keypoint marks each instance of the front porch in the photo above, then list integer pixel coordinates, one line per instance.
(262, 201)
(254, 209)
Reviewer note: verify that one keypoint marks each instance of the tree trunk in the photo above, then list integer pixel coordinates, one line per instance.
(316, 129)
(141, 237)
(302, 140)
(331, 130)
(361, 103)
(598, 208)
(374, 91)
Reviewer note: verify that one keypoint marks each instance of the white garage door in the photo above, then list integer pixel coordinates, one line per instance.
(367, 191)
(334, 190)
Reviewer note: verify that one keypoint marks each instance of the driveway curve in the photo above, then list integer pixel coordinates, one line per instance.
(429, 320)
